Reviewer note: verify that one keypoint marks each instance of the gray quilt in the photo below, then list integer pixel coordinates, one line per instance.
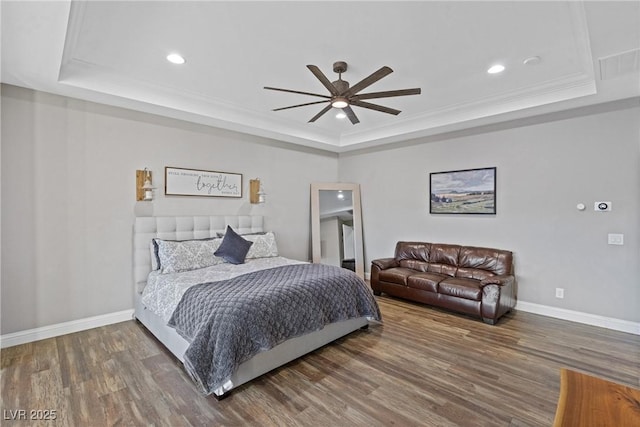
(230, 321)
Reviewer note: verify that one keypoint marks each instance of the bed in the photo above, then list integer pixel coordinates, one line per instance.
(155, 312)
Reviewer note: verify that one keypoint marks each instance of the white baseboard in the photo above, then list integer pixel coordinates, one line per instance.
(573, 316)
(30, 335)
(580, 317)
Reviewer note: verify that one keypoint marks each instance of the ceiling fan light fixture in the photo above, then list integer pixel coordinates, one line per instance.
(341, 115)
(339, 102)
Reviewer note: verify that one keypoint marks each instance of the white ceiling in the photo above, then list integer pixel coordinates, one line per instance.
(336, 203)
(114, 53)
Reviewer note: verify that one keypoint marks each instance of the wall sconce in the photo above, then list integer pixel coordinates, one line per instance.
(256, 193)
(144, 186)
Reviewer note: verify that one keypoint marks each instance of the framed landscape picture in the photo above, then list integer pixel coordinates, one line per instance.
(470, 191)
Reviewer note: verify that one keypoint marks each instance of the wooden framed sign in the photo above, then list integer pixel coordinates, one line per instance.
(193, 182)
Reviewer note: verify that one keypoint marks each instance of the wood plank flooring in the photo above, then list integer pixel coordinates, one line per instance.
(422, 367)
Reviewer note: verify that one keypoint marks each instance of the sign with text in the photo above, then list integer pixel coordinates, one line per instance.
(192, 182)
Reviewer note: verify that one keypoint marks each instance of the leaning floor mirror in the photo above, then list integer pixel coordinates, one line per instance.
(336, 225)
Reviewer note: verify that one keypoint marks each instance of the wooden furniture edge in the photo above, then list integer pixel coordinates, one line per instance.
(562, 399)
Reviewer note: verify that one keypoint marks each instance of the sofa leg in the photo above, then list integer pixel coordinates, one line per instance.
(377, 293)
(489, 321)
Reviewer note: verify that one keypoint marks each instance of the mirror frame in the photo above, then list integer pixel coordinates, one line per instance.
(316, 187)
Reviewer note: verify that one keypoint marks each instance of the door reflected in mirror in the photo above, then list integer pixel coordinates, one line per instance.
(337, 226)
(337, 245)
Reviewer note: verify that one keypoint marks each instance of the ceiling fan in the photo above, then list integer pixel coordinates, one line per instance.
(343, 97)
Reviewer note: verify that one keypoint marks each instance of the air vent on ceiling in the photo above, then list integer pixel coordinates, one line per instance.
(619, 64)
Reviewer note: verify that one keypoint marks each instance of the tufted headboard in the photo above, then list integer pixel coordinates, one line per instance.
(182, 228)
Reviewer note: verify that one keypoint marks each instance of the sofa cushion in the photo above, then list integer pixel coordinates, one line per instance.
(396, 275)
(425, 281)
(441, 253)
(473, 273)
(495, 261)
(414, 264)
(446, 269)
(461, 288)
(412, 250)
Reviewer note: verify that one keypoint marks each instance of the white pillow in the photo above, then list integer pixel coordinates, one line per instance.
(183, 255)
(264, 245)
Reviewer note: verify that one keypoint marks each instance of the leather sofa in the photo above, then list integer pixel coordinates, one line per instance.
(470, 280)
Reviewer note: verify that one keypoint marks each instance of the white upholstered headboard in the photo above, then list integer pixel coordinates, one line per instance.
(182, 228)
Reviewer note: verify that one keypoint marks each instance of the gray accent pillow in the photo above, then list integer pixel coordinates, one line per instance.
(233, 248)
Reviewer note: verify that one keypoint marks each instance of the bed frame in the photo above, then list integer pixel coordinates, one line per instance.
(198, 227)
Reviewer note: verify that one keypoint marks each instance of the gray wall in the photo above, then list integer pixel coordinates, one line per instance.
(68, 201)
(68, 198)
(543, 172)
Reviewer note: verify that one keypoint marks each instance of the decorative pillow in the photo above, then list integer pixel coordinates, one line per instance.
(153, 252)
(242, 234)
(233, 248)
(153, 249)
(182, 255)
(264, 245)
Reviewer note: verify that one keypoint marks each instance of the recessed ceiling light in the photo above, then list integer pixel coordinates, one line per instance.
(495, 69)
(532, 60)
(341, 115)
(175, 58)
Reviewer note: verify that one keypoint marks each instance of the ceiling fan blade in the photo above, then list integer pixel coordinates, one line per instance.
(297, 91)
(299, 105)
(387, 94)
(323, 79)
(368, 81)
(317, 116)
(375, 107)
(352, 116)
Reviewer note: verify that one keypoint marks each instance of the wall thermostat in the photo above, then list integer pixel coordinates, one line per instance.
(602, 206)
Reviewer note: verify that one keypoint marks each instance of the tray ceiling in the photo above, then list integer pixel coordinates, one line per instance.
(114, 52)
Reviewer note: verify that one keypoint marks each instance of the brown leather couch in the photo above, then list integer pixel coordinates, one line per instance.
(466, 279)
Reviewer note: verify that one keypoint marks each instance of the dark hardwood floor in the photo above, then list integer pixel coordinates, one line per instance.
(422, 367)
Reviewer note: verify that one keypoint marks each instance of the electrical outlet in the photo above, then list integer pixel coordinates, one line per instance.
(559, 292)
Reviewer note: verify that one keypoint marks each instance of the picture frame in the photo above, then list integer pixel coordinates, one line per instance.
(196, 182)
(468, 191)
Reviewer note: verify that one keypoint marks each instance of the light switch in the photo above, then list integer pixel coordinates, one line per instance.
(616, 239)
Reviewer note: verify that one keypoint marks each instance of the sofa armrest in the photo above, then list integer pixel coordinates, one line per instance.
(378, 265)
(384, 263)
(498, 280)
(498, 297)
